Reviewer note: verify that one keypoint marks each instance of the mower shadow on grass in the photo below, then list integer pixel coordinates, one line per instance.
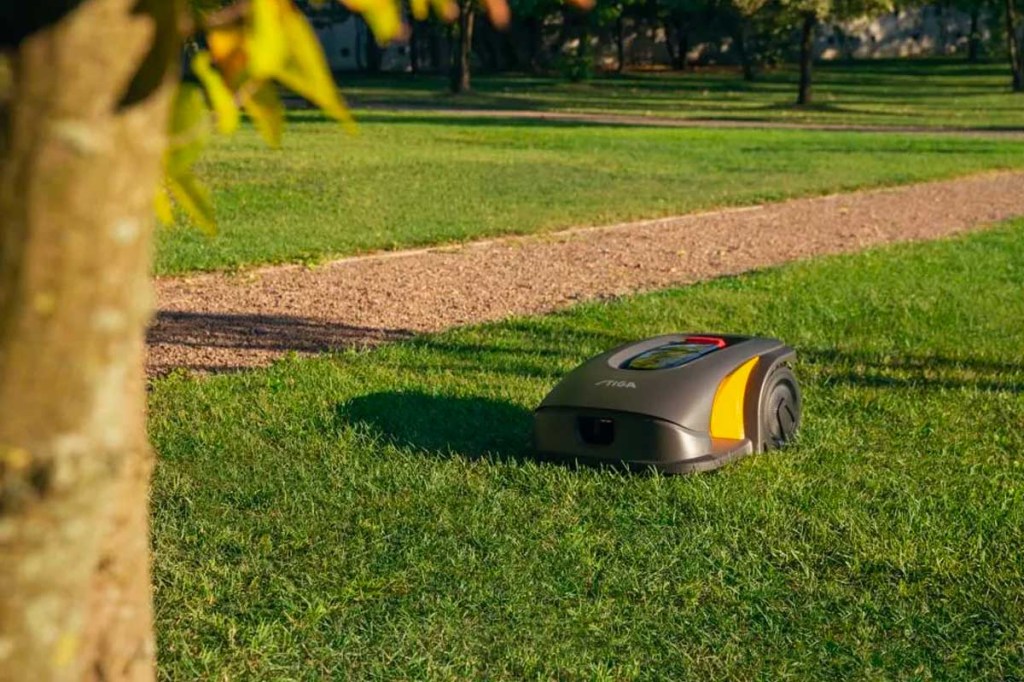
(442, 426)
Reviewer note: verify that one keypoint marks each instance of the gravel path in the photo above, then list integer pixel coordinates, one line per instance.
(218, 322)
(1016, 133)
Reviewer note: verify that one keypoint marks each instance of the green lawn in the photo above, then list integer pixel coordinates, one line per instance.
(377, 515)
(411, 179)
(905, 92)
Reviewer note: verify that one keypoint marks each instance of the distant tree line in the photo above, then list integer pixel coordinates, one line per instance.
(548, 36)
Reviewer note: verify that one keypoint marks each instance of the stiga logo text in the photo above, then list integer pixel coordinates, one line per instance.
(611, 383)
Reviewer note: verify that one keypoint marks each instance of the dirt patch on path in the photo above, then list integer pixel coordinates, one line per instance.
(218, 322)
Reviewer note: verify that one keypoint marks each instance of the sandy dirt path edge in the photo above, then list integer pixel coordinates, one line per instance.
(216, 322)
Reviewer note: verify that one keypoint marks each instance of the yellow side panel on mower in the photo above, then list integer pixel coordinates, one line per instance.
(727, 409)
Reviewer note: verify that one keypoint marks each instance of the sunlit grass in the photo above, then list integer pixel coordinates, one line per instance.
(908, 92)
(378, 514)
(411, 179)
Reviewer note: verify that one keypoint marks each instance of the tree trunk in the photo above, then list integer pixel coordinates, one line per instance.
(1013, 45)
(974, 38)
(437, 52)
(806, 58)
(581, 70)
(373, 53)
(414, 46)
(684, 47)
(620, 44)
(535, 29)
(462, 48)
(743, 50)
(670, 45)
(77, 178)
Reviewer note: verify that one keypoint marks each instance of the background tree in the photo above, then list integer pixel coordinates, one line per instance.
(806, 15)
(679, 17)
(751, 24)
(1012, 25)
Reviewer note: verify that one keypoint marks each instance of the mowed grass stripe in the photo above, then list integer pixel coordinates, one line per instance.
(377, 514)
(410, 180)
(939, 93)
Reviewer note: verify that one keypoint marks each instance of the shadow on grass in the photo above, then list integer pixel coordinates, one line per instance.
(262, 332)
(933, 372)
(442, 426)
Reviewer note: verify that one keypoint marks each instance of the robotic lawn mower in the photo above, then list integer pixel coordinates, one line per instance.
(676, 403)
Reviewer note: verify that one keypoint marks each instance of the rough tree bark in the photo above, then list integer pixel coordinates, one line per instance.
(76, 189)
(1013, 45)
(806, 57)
(462, 48)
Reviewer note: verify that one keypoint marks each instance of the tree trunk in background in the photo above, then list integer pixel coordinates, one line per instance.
(373, 53)
(437, 52)
(620, 44)
(582, 69)
(535, 29)
(684, 45)
(974, 37)
(670, 44)
(806, 58)
(77, 177)
(743, 50)
(1013, 45)
(462, 47)
(415, 27)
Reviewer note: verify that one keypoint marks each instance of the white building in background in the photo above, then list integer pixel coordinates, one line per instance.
(928, 30)
(345, 44)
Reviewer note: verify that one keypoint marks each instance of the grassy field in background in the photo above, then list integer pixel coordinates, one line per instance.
(377, 515)
(414, 179)
(904, 92)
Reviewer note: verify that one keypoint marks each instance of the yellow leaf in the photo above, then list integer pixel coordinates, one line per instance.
(267, 45)
(227, 47)
(195, 199)
(162, 206)
(447, 10)
(267, 112)
(305, 70)
(497, 12)
(220, 96)
(420, 9)
(382, 16)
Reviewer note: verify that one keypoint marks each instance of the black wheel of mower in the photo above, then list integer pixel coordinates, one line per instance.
(780, 415)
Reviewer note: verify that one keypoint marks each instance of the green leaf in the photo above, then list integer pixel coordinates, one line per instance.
(192, 196)
(164, 50)
(189, 128)
(267, 112)
(217, 91)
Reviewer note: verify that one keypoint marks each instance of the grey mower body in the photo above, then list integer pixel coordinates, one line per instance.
(677, 403)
